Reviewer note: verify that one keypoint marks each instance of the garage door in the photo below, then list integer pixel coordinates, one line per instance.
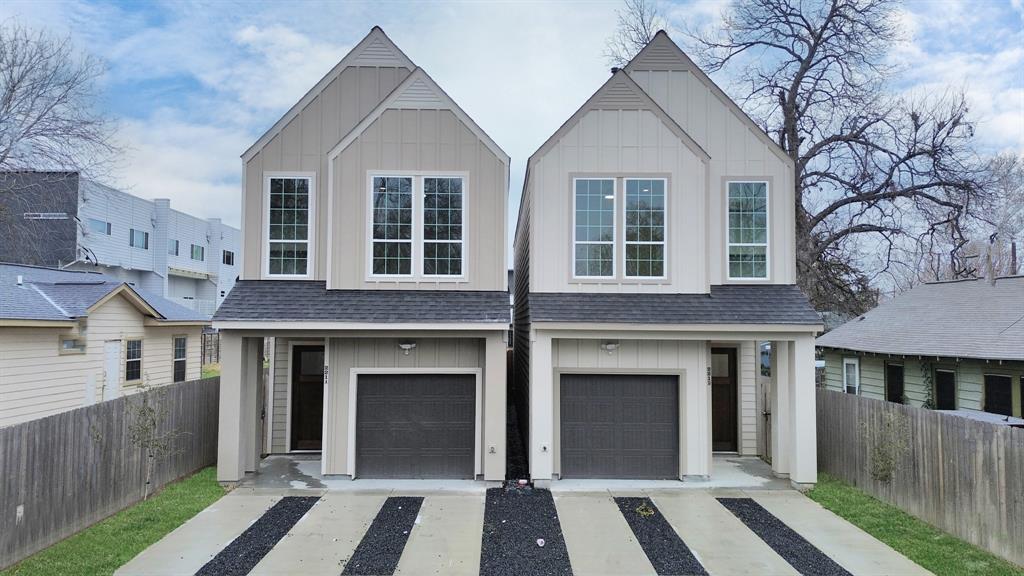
(615, 426)
(415, 426)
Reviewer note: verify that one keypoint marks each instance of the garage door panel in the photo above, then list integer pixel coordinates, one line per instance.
(619, 426)
(415, 425)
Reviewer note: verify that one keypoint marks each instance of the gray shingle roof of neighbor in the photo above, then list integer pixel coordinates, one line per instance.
(311, 301)
(51, 294)
(959, 319)
(730, 304)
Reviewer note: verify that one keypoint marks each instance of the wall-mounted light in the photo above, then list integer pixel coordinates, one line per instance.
(407, 347)
(610, 346)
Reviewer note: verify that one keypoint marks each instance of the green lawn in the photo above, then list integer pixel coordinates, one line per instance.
(107, 545)
(211, 370)
(931, 548)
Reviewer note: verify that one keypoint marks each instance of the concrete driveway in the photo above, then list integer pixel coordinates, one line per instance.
(470, 531)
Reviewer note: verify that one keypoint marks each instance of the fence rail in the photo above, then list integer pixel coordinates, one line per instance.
(61, 473)
(962, 476)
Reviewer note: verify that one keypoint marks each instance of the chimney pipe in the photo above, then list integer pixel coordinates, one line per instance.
(1013, 258)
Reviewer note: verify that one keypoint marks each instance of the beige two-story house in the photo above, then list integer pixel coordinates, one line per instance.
(374, 260)
(654, 250)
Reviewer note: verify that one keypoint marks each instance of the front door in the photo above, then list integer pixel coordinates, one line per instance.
(894, 383)
(723, 400)
(945, 390)
(307, 397)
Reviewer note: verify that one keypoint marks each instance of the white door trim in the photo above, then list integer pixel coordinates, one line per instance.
(269, 422)
(353, 395)
(288, 406)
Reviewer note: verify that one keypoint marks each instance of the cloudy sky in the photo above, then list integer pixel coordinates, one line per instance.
(192, 85)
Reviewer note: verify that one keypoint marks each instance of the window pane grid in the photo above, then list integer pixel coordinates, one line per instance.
(133, 360)
(392, 225)
(594, 234)
(645, 228)
(289, 226)
(442, 226)
(180, 350)
(748, 229)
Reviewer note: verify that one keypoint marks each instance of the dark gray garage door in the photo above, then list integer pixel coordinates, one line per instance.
(415, 425)
(615, 426)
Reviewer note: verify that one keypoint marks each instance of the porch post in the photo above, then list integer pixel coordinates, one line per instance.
(804, 463)
(780, 407)
(542, 411)
(229, 436)
(494, 386)
(252, 359)
(695, 417)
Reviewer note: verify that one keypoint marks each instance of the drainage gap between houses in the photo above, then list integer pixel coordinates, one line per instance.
(664, 548)
(794, 548)
(382, 545)
(251, 546)
(514, 520)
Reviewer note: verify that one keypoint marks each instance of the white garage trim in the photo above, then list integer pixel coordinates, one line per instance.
(352, 398)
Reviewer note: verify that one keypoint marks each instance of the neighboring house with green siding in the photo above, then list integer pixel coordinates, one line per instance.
(955, 345)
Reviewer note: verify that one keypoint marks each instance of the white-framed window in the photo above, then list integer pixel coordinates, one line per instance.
(747, 230)
(442, 226)
(71, 345)
(99, 226)
(290, 201)
(228, 258)
(133, 361)
(593, 227)
(180, 357)
(139, 239)
(391, 224)
(645, 227)
(851, 375)
(198, 252)
(172, 247)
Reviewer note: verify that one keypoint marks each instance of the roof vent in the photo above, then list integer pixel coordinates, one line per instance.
(20, 280)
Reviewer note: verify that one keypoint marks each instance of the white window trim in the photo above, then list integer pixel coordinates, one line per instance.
(615, 231)
(192, 252)
(416, 269)
(625, 243)
(310, 231)
(855, 362)
(768, 232)
(124, 363)
(175, 359)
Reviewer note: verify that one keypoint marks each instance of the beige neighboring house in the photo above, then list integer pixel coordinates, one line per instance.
(654, 250)
(71, 339)
(374, 258)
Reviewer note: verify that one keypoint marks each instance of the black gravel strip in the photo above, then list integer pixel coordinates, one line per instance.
(664, 548)
(251, 546)
(514, 519)
(796, 550)
(382, 545)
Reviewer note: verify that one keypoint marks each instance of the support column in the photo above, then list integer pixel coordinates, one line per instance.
(230, 466)
(542, 410)
(803, 427)
(495, 400)
(780, 408)
(253, 379)
(695, 414)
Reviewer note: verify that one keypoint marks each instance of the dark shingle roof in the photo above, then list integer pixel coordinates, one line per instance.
(311, 301)
(732, 304)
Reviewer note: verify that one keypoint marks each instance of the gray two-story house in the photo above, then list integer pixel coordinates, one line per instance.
(375, 259)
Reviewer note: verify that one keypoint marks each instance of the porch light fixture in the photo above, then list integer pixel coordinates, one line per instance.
(406, 347)
(610, 346)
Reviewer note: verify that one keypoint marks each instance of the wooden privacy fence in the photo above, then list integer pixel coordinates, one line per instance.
(61, 473)
(963, 476)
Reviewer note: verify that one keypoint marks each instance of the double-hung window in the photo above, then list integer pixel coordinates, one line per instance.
(392, 226)
(851, 375)
(442, 226)
(748, 230)
(228, 258)
(290, 204)
(172, 247)
(594, 227)
(198, 252)
(180, 356)
(645, 228)
(133, 361)
(139, 239)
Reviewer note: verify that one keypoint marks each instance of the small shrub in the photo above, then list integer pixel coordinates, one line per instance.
(886, 444)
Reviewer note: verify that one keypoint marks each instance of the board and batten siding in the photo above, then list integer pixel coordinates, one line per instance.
(412, 141)
(302, 145)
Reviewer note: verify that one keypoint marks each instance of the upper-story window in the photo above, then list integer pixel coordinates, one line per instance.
(198, 252)
(228, 258)
(139, 239)
(594, 227)
(99, 226)
(748, 230)
(288, 238)
(417, 226)
(172, 247)
(645, 228)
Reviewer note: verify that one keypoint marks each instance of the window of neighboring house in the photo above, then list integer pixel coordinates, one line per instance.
(228, 258)
(392, 226)
(594, 228)
(71, 345)
(180, 355)
(198, 252)
(999, 394)
(442, 226)
(133, 361)
(748, 230)
(289, 222)
(99, 226)
(945, 390)
(851, 375)
(645, 228)
(139, 239)
(172, 247)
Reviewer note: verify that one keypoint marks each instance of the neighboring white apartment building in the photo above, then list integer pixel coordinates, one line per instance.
(57, 219)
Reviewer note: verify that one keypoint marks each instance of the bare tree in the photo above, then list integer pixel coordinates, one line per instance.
(639, 21)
